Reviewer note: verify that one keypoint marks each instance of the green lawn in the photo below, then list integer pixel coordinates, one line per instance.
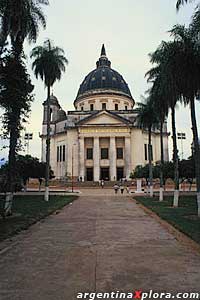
(183, 218)
(29, 209)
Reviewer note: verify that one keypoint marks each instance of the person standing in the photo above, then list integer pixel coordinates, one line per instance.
(128, 189)
(116, 188)
(122, 189)
(40, 183)
(102, 183)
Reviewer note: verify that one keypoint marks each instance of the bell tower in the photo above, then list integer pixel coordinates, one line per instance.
(54, 107)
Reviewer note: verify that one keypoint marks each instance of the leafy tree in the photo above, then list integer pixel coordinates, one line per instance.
(147, 119)
(49, 64)
(19, 20)
(30, 167)
(167, 169)
(15, 99)
(143, 171)
(187, 170)
(27, 167)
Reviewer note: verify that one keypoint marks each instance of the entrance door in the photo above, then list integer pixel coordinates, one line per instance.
(105, 174)
(120, 173)
(89, 174)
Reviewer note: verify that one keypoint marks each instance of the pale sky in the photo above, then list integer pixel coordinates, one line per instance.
(130, 29)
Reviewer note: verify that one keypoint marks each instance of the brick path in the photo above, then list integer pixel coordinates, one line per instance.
(96, 244)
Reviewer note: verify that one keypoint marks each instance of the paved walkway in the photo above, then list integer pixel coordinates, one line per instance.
(96, 244)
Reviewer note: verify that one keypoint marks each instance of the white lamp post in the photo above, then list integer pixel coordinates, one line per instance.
(73, 167)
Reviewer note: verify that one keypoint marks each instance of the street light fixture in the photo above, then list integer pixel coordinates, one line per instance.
(181, 136)
(28, 137)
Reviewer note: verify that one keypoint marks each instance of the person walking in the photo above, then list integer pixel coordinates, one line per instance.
(122, 189)
(102, 183)
(116, 188)
(128, 189)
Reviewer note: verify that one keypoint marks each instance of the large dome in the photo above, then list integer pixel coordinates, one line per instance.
(103, 80)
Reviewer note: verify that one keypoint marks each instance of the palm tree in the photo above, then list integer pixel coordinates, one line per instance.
(147, 119)
(49, 64)
(20, 19)
(164, 73)
(187, 75)
(161, 108)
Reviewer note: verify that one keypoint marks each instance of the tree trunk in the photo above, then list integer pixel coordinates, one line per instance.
(161, 162)
(11, 179)
(175, 159)
(46, 197)
(150, 163)
(196, 150)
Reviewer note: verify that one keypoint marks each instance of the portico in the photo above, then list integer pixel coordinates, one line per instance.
(104, 154)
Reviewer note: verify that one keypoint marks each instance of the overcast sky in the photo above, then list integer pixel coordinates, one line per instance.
(130, 29)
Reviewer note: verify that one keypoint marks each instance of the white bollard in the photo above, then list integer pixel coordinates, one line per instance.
(176, 198)
(161, 194)
(8, 204)
(46, 195)
(139, 187)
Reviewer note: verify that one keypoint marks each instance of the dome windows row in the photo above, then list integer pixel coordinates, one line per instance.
(104, 105)
(104, 78)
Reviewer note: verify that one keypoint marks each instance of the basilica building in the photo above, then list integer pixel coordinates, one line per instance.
(100, 139)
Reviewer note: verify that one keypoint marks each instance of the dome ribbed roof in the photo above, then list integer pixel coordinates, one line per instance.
(103, 80)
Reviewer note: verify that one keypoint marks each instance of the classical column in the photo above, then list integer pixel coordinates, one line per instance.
(127, 157)
(112, 157)
(81, 158)
(96, 159)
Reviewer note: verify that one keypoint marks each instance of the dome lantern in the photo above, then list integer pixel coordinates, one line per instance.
(103, 60)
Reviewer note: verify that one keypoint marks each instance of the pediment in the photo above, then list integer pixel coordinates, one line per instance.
(104, 118)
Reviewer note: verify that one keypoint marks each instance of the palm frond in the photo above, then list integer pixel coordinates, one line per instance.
(181, 2)
(49, 62)
(21, 19)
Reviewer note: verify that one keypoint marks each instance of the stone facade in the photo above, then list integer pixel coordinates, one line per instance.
(100, 139)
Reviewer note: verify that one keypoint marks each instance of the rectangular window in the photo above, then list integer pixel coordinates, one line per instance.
(63, 152)
(116, 107)
(145, 152)
(58, 153)
(89, 153)
(91, 107)
(104, 153)
(119, 153)
(104, 106)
